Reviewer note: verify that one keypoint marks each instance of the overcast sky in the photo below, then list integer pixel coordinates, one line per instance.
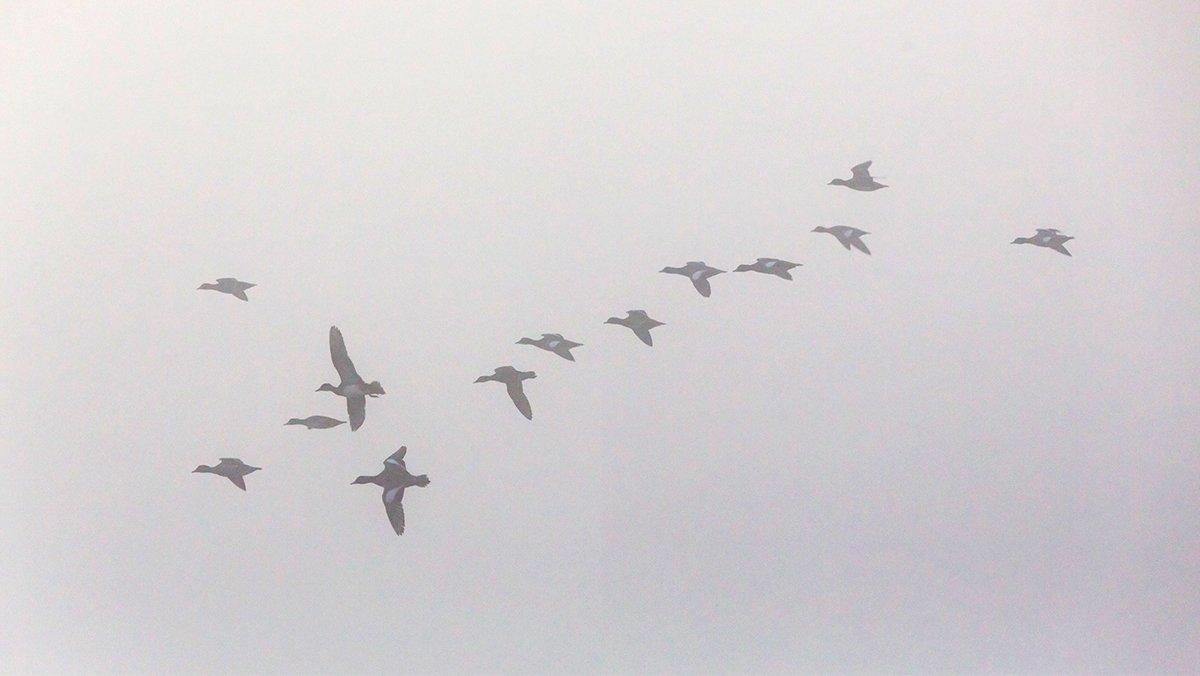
(955, 454)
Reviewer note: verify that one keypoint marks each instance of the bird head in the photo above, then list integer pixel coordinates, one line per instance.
(526, 341)
(483, 379)
(294, 421)
(743, 268)
(363, 480)
(820, 228)
(1022, 240)
(837, 181)
(202, 468)
(207, 286)
(327, 388)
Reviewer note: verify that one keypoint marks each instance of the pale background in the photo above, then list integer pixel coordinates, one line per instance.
(956, 454)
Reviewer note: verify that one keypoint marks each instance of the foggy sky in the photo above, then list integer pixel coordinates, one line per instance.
(955, 454)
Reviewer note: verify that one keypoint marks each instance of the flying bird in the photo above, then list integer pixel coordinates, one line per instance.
(553, 342)
(394, 479)
(637, 321)
(230, 468)
(699, 273)
(860, 179)
(316, 422)
(230, 286)
(848, 236)
(1048, 238)
(352, 386)
(769, 266)
(512, 379)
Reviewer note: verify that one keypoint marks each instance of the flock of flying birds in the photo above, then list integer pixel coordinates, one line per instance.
(395, 476)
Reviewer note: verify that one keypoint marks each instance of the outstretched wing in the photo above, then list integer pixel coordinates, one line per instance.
(341, 360)
(857, 242)
(238, 481)
(392, 498)
(517, 394)
(862, 170)
(643, 332)
(1058, 246)
(397, 458)
(356, 407)
(701, 284)
(239, 293)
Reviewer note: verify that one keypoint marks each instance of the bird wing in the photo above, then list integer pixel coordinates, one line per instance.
(341, 360)
(239, 481)
(784, 274)
(356, 407)
(861, 170)
(1047, 231)
(517, 394)
(392, 498)
(858, 244)
(701, 284)
(227, 280)
(1058, 246)
(643, 332)
(239, 293)
(397, 458)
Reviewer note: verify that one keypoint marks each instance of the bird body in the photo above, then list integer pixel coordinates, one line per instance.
(394, 478)
(1048, 238)
(512, 379)
(553, 342)
(848, 236)
(860, 179)
(316, 422)
(699, 273)
(351, 386)
(231, 468)
(769, 266)
(228, 285)
(639, 322)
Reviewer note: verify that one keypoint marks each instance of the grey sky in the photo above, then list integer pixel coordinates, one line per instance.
(955, 454)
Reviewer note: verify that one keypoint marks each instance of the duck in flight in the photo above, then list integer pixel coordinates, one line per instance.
(512, 379)
(231, 468)
(860, 179)
(769, 266)
(848, 236)
(699, 273)
(352, 386)
(316, 422)
(1049, 238)
(394, 479)
(553, 342)
(230, 286)
(637, 321)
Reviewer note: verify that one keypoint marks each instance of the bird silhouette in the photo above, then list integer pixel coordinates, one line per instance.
(351, 386)
(394, 479)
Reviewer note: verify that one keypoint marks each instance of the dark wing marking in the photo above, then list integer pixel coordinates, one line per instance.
(517, 394)
(858, 244)
(392, 502)
(861, 170)
(356, 407)
(239, 481)
(341, 360)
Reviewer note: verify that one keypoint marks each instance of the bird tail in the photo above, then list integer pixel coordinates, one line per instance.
(422, 480)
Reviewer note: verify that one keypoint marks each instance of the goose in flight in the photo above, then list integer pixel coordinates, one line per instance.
(553, 342)
(769, 266)
(860, 179)
(698, 272)
(316, 422)
(637, 321)
(394, 479)
(1049, 238)
(848, 236)
(230, 286)
(512, 379)
(352, 386)
(230, 468)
